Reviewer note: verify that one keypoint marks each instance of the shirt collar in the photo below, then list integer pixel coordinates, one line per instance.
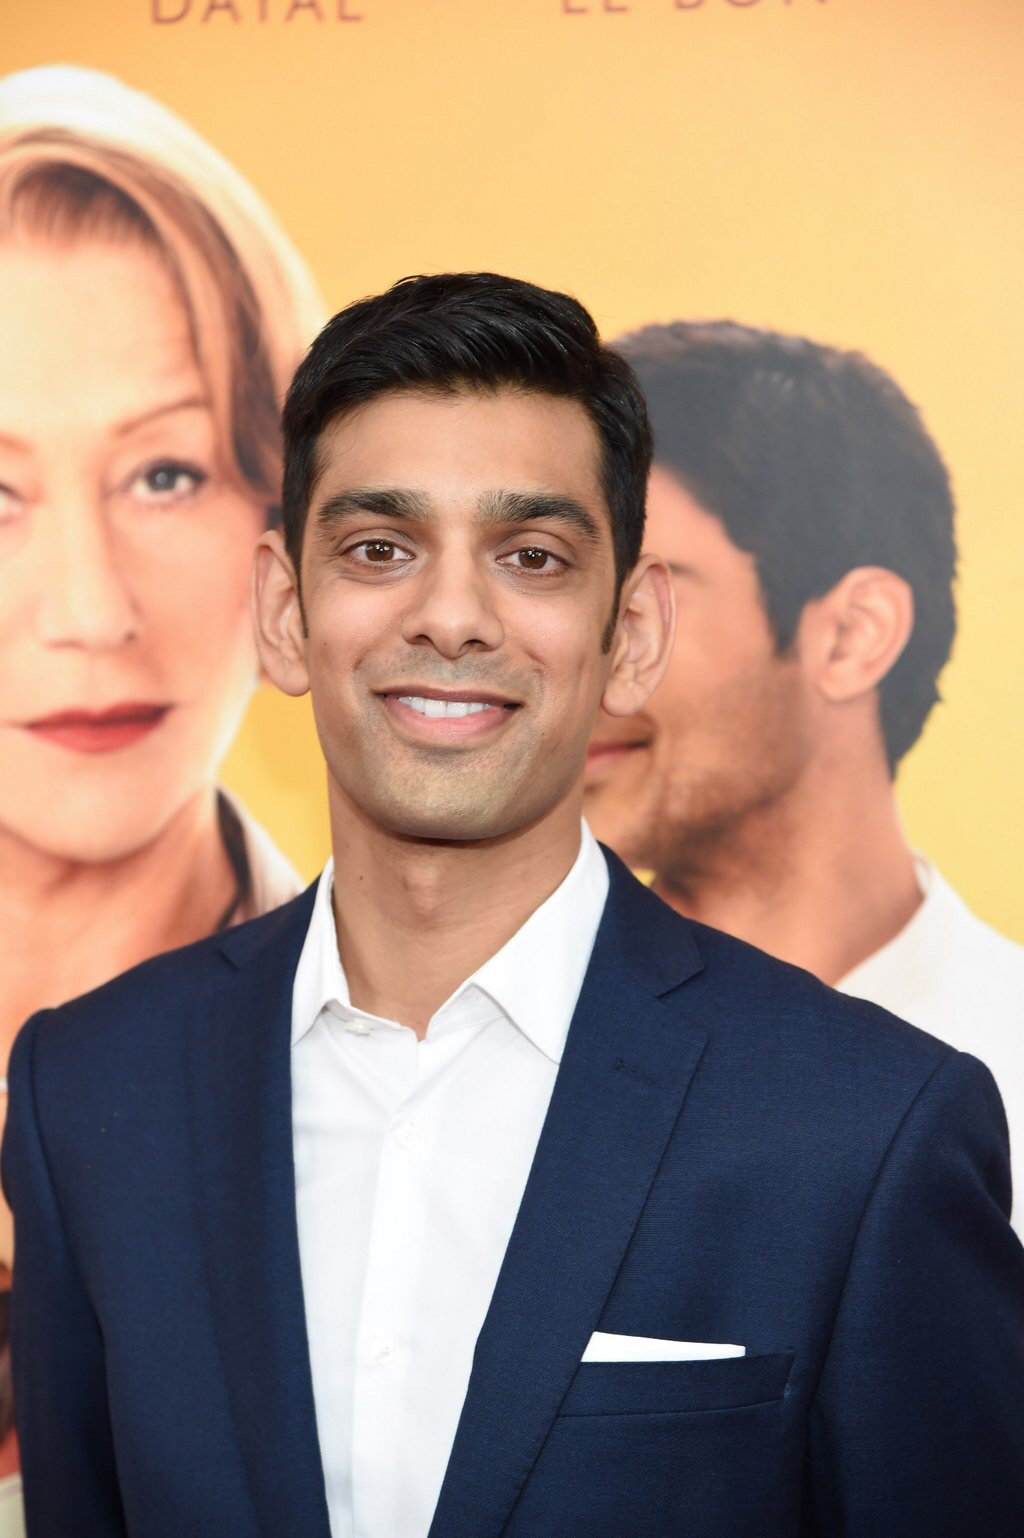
(533, 981)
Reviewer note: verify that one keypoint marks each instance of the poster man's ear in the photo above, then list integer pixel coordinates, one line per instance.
(852, 637)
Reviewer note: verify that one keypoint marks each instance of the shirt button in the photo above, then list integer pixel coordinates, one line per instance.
(383, 1351)
(407, 1134)
(358, 1027)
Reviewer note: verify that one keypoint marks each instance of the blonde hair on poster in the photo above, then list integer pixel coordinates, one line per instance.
(83, 155)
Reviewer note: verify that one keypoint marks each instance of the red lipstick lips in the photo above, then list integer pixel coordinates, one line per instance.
(101, 731)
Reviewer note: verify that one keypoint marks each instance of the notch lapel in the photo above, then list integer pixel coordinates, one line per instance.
(243, 1172)
(627, 1066)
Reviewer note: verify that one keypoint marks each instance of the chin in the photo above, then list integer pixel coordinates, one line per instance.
(100, 826)
(449, 830)
(81, 844)
(614, 820)
(446, 821)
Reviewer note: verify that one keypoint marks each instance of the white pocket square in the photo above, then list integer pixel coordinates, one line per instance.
(647, 1348)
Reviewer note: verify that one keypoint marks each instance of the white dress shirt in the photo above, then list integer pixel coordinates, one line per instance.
(954, 976)
(410, 1162)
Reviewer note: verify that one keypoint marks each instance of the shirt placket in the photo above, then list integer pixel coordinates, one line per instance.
(386, 1338)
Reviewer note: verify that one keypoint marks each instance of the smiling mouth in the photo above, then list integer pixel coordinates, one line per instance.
(610, 749)
(99, 731)
(445, 717)
(603, 757)
(436, 709)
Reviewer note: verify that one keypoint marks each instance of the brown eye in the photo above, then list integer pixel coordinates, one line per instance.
(533, 559)
(377, 552)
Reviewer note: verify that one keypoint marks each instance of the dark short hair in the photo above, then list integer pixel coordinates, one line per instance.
(815, 462)
(470, 330)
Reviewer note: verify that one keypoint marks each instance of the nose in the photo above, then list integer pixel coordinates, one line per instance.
(85, 601)
(452, 608)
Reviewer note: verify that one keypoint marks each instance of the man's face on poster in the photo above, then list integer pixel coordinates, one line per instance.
(727, 732)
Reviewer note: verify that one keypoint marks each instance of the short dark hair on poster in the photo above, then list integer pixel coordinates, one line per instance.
(475, 331)
(815, 462)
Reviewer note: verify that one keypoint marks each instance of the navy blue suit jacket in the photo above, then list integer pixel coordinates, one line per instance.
(732, 1153)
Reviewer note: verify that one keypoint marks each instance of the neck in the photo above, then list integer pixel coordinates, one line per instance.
(822, 878)
(415, 918)
(101, 918)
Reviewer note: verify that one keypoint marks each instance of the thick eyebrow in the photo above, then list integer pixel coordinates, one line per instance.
(514, 507)
(379, 502)
(495, 507)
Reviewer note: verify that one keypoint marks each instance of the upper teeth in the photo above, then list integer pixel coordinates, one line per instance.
(442, 707)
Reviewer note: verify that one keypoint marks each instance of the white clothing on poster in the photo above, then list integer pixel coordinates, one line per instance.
(952, 975)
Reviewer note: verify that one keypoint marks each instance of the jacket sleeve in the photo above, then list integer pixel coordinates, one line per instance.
(60, 1400)
(917, 1426)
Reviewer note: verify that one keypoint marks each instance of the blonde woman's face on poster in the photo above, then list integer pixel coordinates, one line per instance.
(126, 657)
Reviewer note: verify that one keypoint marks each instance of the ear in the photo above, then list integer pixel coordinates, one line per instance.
(849, 640)
(277, 615)
(644, 634)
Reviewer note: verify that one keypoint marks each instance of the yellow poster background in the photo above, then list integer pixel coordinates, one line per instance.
(846, 169)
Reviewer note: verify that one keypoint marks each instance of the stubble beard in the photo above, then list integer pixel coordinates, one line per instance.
(435, 795)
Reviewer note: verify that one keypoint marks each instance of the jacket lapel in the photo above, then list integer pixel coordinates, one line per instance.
(626, 1068)
(240, 1102)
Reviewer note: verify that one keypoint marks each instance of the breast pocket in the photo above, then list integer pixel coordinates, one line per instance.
(666, 1448)
(670, 1388)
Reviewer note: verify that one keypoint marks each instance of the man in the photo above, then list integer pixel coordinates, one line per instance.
(475, 1192)
(807, 518)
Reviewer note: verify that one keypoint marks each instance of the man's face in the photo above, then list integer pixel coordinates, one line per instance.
(457, 575)
(727, 732)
